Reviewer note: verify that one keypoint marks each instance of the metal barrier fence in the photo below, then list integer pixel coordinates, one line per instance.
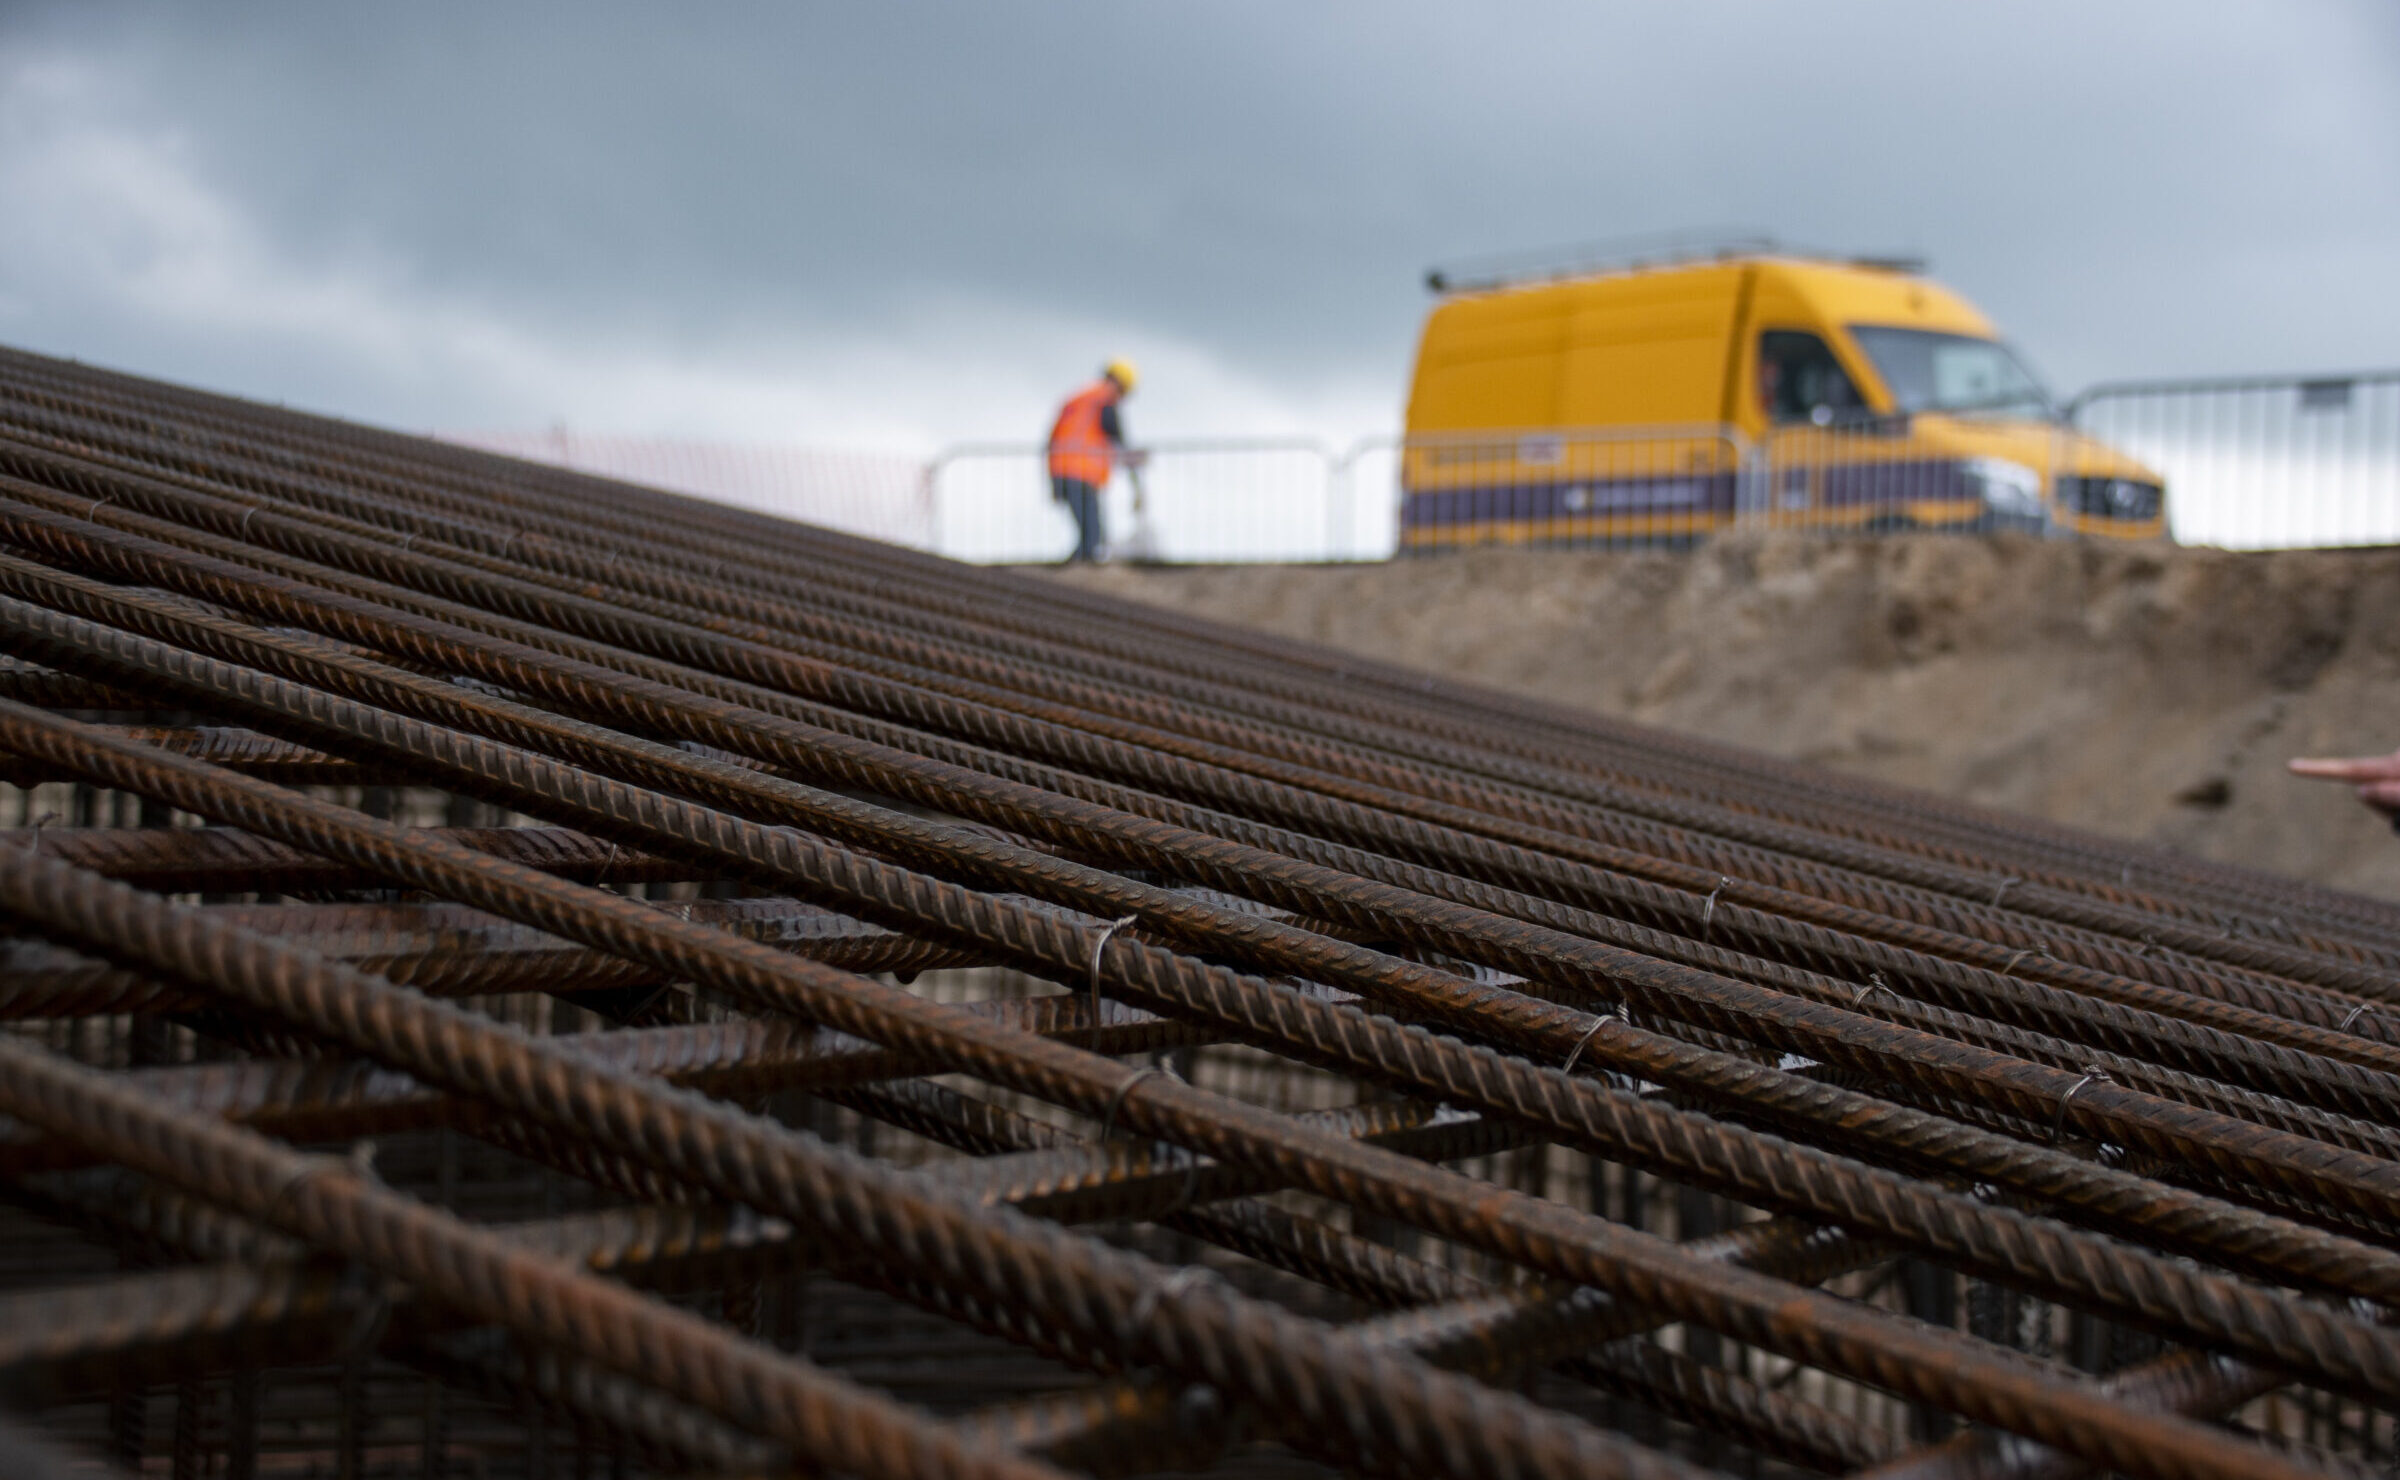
(2263, 462)
(1215, 502)
(1952, 473)
(2256, 462)
(879, 495)
(1623, 487)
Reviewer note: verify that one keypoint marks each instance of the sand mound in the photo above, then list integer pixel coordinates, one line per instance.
(2150, 692)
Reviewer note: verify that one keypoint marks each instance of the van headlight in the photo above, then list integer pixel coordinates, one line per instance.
(2007, 488)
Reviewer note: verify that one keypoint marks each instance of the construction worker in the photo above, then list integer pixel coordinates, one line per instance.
(1086, 443)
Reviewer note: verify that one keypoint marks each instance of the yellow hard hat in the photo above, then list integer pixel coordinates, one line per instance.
(1123, 373)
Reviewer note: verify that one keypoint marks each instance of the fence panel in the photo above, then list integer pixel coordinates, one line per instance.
(1876, 474)
(1194, 502)
(2263, 462)
(878, 495)
(1367, 479)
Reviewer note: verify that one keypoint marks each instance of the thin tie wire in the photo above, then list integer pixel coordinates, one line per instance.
(1174, 1287)
(1116, 1102)
(2033, 950)
(2091, 1072)
(1098, 945)
(309, 1170)
(1708, 911)
(1588, 1034)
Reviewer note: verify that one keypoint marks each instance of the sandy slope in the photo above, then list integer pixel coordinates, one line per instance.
(2146, 691)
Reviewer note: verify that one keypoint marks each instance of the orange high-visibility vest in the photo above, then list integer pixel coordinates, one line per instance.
(1078, 447)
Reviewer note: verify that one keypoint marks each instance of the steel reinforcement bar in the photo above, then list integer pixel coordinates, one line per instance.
(754, 956)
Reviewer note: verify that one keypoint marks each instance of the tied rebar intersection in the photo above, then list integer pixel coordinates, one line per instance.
(509, 973)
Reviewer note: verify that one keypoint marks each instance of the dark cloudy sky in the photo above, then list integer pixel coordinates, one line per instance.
(902, 223)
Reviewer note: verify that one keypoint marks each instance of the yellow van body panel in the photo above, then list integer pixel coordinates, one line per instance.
(1491, 363)
(1636, 349)
(1654, 357)
(1624, 406)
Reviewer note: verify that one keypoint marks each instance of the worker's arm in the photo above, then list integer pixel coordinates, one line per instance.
(2377, 778)
(1112, 426)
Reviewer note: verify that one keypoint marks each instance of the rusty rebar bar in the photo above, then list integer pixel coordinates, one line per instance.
(776, 773)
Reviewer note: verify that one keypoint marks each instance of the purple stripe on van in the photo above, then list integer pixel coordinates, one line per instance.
(1925, 480)
(1786, 489)
(1707, 494)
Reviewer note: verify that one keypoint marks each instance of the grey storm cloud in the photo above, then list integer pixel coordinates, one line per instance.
(960, 204)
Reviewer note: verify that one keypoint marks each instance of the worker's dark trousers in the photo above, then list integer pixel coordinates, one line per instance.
(1083, 501)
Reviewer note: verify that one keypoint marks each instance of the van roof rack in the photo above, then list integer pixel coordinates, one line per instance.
(1632, 253)
(1907, 263)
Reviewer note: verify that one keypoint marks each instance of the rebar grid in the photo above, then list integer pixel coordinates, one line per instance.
(516, 974)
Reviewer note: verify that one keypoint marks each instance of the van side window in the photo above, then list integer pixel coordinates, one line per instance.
(1797, 375)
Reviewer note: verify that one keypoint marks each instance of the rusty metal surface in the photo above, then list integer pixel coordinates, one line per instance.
(506, 973)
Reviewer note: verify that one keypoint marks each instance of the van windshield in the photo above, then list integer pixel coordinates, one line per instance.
(1926, 371)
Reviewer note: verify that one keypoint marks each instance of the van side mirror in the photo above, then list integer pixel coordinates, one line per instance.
(1860, 419)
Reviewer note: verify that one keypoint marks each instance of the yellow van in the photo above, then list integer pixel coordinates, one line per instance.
(1670, 401)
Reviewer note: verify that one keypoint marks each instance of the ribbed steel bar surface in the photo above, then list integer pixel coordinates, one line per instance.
(508, 973)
